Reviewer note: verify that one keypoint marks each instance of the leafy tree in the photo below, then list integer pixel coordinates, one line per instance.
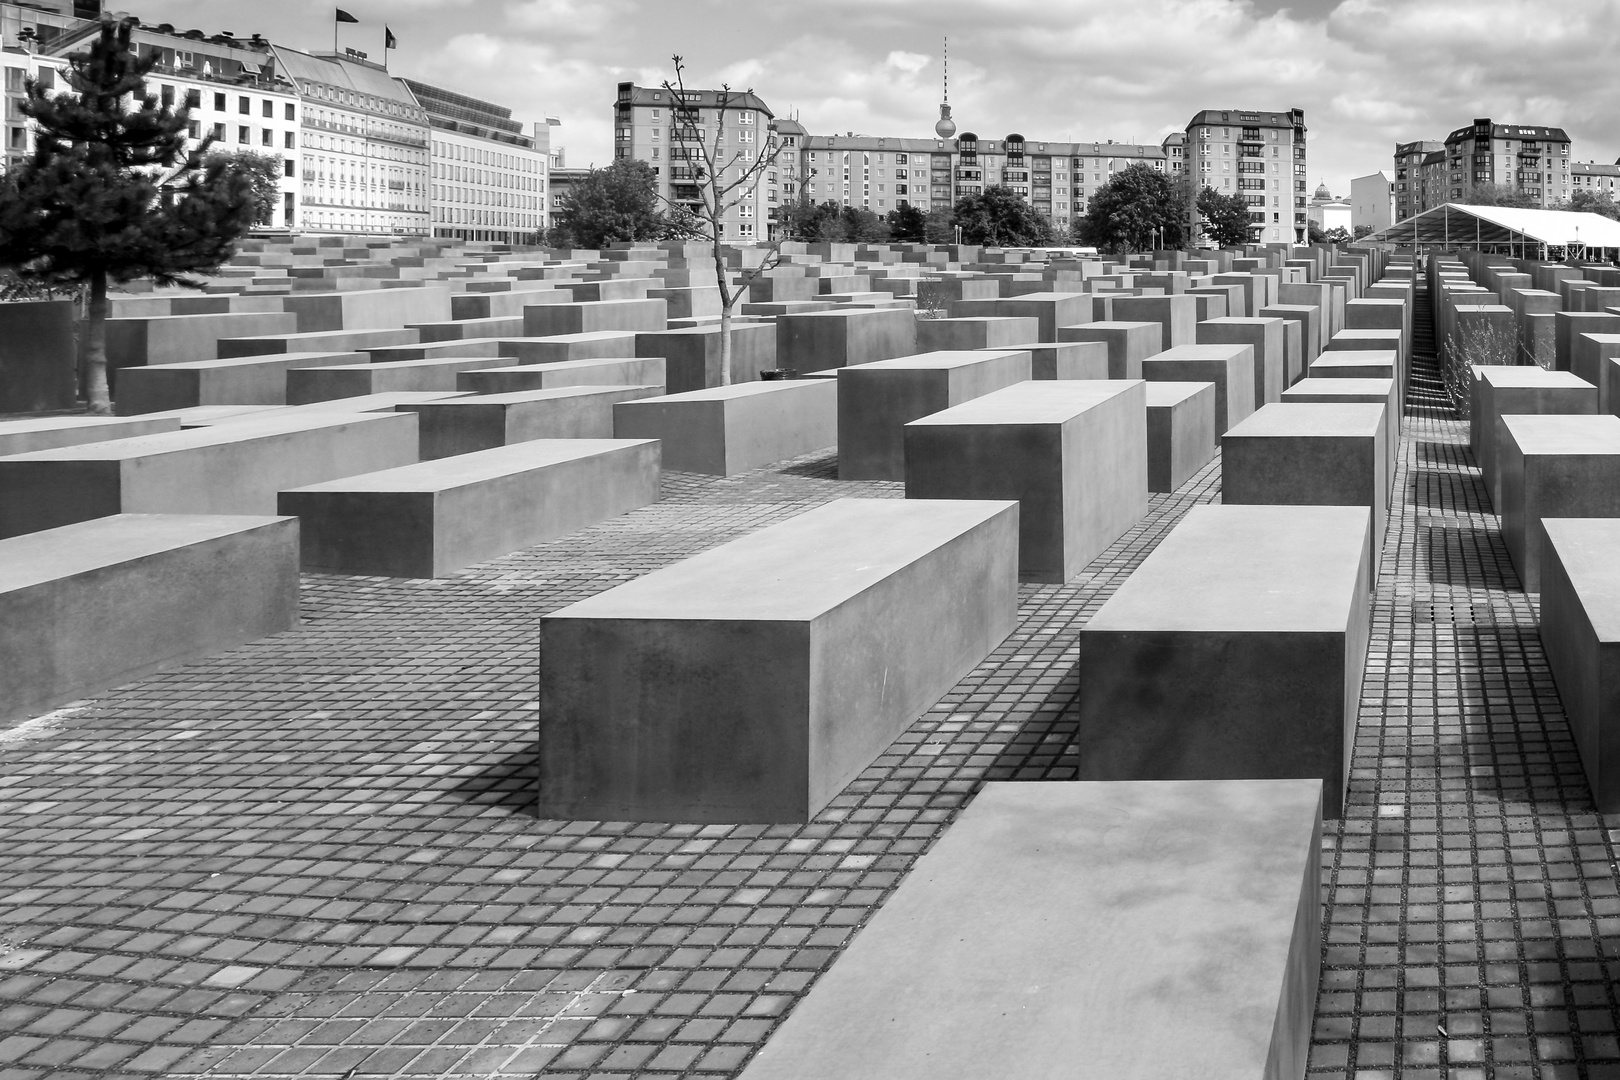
(907, 224)
(1137, 206)
(939, 226)
(263, 171)
(110, 193)
(834, 223)
(1226, 218)
(1497, 195)
(724, 182)
(999, 216)
(612, 205)
(1361, 230)
(1594, 202)
(1337, 235)
(1314, 233)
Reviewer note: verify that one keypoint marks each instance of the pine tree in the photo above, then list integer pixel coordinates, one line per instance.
(110, 193)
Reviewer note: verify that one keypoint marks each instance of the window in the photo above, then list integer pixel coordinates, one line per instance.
(267, 137)
(290, 141)
(219, 102)
(242, 134)
(193, 99)
(244, 106)
(219, 132)
(288, 164)
(269, 109)
(167, 95)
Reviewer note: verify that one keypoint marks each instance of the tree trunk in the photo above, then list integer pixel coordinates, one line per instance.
(725, 309)
(95, 350)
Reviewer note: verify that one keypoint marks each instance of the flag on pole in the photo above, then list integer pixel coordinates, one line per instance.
(389, 40)
(344, 16)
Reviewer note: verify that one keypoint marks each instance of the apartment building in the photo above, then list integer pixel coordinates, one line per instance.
(21, 59)
(881, 174)
(648, 125)
(1419, 177)
(488, 176)
(1258, 155)
(1372, 202)
(365, 166)
(1530, 158)
(1595, 177)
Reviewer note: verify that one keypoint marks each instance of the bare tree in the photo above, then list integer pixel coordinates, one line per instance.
(724, 181)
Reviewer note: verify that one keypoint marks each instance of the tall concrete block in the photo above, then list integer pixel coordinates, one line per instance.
(1554, 466)
(38, 356)
(1515, 391)
(1181, 435)
(1367, 391)
(1050, 309)
(692, 354)
(1129, 343)
(1176, 315)
(752, 682)
(1228, 368)
(1235, 650)
(877, 400)
(1074, 454)
(1570, 325)
(1265, 336)
(1309, 318)
(820, 340)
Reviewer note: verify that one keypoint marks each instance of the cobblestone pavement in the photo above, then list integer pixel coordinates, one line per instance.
(316, 855)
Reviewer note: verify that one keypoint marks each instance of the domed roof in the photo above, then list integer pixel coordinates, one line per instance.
(1323, 193)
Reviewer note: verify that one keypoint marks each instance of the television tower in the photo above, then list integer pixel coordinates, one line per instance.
(946, 126)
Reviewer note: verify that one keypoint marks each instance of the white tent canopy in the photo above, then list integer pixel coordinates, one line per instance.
(1457, 225)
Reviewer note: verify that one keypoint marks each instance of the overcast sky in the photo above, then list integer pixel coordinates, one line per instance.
(1368, 73)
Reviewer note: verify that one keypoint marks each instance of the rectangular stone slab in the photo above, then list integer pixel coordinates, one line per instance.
(877, 400)
(692, 354)
(1580, 631)
(732, 429)
(1180, 432)
(1229, 367)
(306, 385)
(752, 682)
(1376, 391)
(602, 371)
(91, 605)
(1133, 931)
(542, 320)
(819, 340)
(239, 380)
(1522, 389)
(49, 432)
(225, 469)
(1129, 343)
(1050, 309)
(1554, 466)
(1176, 316)
(1309, 318)
(1236, 650)
(978, 332)
(464, 425)
(316, 342)
(1074, 454)
(1358, 364)
(1067, 360)
(1266, 337)
(437, 517)
(1311, 453)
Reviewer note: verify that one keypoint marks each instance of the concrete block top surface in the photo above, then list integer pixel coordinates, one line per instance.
(288, 359)
(519, 397)
(34, 424)
(1134, 930)
(1520, 375)
(51, 554)
(459, 470)
(275, 422)
(1576, 434)
(1162, 395)
(1029, 403)
(1247, 568)
(1240, 320)
(1345, 388)
(735, 390)
(944, 358)
(1293, 419)
(1202, 352)
(1586, 549)
(1353, 357)
(795, 570)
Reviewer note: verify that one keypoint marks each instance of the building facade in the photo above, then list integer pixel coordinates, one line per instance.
(1531, 159)
(649, 126)
(365, 166)
(22, 57)
(1595, 177)
(1372, 202)
(488, 176)
(1419, 177)
(1260, 156)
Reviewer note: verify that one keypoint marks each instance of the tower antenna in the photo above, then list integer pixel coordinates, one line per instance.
(946, 127)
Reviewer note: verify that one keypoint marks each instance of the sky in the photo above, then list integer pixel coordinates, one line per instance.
(1368, 73)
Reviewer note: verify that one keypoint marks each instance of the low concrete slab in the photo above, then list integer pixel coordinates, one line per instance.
(437, 517)
(49, 432)
(463, 425)
(1067, 360)
(1114, 900)
(582, 318)
(369, 309)
(240, 380)
(1074, 455)
(1554, 466)
(1580, 631)
(1230, 368)
(752, 682)
(560, 347)
(819, 340)
(692, 354)
(319, 341)
(1181, 435)
(977, 332)
(88, 606)
(1236, 650)
(305, 385)
(603, 371)
(877, 400)
(226, 469)
(731, 429)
